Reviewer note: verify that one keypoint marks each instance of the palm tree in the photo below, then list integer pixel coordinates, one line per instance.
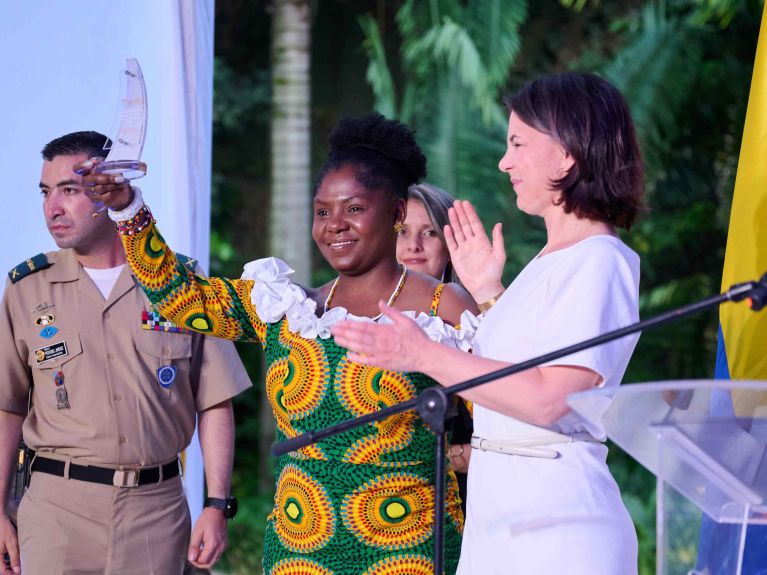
(454, 60)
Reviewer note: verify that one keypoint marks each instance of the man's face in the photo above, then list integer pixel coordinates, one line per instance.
(68, 211)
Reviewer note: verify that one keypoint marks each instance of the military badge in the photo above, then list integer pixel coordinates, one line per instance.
(45, 319)
(62, 396)
(30, 266)
(43, 354)
(48, 331)
(153, 321)
(42, 307)
(166, 375)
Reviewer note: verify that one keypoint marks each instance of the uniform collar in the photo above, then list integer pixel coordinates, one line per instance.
(66, 268)
(125, 282)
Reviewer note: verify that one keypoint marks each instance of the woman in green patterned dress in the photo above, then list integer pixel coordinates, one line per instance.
(360, 502)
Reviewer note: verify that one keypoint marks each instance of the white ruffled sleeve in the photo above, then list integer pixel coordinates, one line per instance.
(273, 294)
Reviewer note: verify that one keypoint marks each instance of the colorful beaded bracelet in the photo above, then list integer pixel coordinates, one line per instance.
(137, 223)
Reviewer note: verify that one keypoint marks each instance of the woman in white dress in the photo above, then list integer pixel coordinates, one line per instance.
(541, 498)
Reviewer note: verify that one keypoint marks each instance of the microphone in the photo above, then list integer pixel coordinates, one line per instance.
(754, 292)
(758, 298)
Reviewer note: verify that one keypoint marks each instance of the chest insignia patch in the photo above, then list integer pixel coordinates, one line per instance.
(48, 331)
(58, 378)
(42, 307)
(49, 352)
(45, 319)
(152, 320)
(166, 375)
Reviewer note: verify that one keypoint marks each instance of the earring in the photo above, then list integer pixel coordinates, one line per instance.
(398, 227)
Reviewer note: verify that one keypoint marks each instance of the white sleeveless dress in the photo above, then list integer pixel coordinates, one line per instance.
(535, 516)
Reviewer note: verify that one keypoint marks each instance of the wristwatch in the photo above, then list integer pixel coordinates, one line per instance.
(228, 505)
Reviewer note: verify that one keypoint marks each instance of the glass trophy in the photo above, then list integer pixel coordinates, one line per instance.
(129, 127)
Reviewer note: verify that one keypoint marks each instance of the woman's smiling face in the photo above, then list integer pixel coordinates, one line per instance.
(353, 226)
(419, 245)
(532, 161)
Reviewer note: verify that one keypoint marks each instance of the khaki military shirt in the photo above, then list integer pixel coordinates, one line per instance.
(57, 331)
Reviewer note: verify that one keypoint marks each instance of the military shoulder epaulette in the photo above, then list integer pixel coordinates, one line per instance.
(30, 266)
(190, 263)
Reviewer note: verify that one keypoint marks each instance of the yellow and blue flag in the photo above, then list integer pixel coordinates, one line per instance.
(742, 342)
(742, 351)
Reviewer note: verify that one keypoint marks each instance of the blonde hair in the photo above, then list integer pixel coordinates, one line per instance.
(436, 202)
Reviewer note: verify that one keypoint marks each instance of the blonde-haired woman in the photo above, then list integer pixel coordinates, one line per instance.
(421, 247)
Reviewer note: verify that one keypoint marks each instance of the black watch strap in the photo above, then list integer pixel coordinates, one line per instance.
(228, 505)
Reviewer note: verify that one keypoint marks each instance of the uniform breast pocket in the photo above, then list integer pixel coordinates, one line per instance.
(53, 364)
(57, 353)
(167, 355)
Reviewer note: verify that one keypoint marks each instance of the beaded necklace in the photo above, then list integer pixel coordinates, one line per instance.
(392, 297)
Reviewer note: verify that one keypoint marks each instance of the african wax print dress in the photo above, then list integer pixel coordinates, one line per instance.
(360, 502)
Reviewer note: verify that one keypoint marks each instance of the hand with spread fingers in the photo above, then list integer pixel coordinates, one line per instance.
(398, 346)
(477, 261)
(110, 190)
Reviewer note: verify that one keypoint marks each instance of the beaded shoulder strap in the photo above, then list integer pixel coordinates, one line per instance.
(435, 299)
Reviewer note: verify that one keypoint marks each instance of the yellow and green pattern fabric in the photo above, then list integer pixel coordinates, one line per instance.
(357, 503)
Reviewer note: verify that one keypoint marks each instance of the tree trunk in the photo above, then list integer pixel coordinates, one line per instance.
(290, 233)
(290, 212)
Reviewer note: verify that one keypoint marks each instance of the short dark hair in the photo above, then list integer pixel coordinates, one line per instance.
(91, 143)
(383, 152)
(590, 119)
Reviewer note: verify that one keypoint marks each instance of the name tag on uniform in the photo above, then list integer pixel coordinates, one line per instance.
(49, 352)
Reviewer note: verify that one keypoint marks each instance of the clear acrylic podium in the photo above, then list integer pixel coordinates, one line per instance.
(706, 443)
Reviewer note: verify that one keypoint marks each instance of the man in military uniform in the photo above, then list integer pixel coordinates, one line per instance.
(115, 393)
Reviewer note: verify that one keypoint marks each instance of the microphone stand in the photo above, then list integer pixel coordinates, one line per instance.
(433, 404)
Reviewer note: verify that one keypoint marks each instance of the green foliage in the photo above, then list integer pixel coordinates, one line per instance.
(474, 43)
(578, 5)
(721, 11)
(454, 58)
(246, 536)
(663, 47)
(684, 65)
(642, 510)
(687, 95)
(378, 75)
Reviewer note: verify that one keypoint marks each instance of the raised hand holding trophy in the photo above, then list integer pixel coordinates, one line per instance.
(128, 130)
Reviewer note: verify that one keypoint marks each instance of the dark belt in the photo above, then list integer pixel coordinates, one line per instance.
(126, 477)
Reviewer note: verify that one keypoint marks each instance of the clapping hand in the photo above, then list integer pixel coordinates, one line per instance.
(478, 262)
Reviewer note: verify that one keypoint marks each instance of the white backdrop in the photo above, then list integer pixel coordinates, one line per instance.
(61, 63)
